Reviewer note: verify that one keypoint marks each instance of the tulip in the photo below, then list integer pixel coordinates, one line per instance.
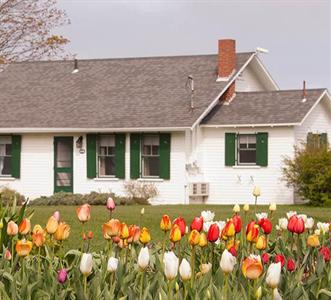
(110, 204)
(266, 225)
(323, 227)
(111, 228)
(290, 214)
(175, 234)
(265, 258)
(205, 268)
(256, 191)
(280, 258)
(180, 222)
(232, 243)
(165, 223)
(290, 265)
(309, 224)
(229, 230)
(124, 231)
(213, 233)
(313, 241)
(273, 275)
(261, 242)
(62, 276)
(12, 228)
(207, 216)
(86, 264)
(171, 262)
(283, 222)
(262, 215)
(237, 223)
(252, 267)
(185, 270)
(227, 262)
(8, 255)
(143, 258)
(90, 234)
(258, 293)
(23, 247)
(246, 207)
(317, 232)
(203, 240)
(145, 236)
(236, 208)
(296, 224)
(84, 213)
(272, 207)
(112, 264)
(38, 238)
(24, 227)
(142, 211)
(62, 232)
(194, 238)
(37, 228)
(197, 224)
(325, 252)
(276, 295)
(252, 232)
(52, 225)
(134, 234)
(57, 215)
(233, 251)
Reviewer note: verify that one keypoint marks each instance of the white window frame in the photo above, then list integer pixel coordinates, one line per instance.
(99, 155)
(238, 149)
(11, 143)
(151, 155)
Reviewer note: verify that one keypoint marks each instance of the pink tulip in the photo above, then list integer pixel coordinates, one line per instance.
(84, 213)
(62, 276)
(110, 204)
(56, 215)
(7, 255)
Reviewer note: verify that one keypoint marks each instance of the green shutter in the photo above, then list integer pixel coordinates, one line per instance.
(165, 145)
(310, 139)
(262, 149)
(91, 155)
(324, 139)
(120, 155)
(16, 156)
(134, 155)
(230, 149)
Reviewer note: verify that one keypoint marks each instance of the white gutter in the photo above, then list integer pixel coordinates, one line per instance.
(73, 130)
(211, 105)
(250, 125)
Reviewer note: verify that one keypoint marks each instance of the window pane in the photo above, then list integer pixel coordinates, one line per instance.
(2, 150)
(5, 165)
(247, 156)
(5, 139)
(8, 149)
(155, 150)
(107, 140)
(106, 166)
(63, 179)
(147, 150)
(151, 166)
(63, 154)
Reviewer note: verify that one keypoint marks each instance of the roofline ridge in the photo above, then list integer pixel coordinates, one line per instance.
(280, 91)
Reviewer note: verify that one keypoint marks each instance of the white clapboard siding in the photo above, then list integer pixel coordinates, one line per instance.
(235, 184)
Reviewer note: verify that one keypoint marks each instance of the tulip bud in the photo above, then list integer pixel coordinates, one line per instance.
(24, 227)
(57, 216)
(313, 241)
(283, 222)
(143, 258)
(62, 276)
(112, 264)
(227, 262)
(23, 247)
(309, 223)
(194, 238)
(84, 213)
(325, 252)
(170, 265)
(265, 258)
(258, 293)
(252, 267)
(280, 258)
(261, 243)
(266, 225)
(165, 223)
(272, 207)
(175, 234)
(180, 222)
(256, 191)
(236, 208)
(197, 224)
(84, 236)
(110, 204)
(203, 240)
(213, 233)
(12, 228)
(124, 231)
(145, 236)
(52, 225)
(86, 264)
(246, 207)
(185, 270)
(290, 265)
(90, 235)
(7, 255)
(323, 227)
(273, 275)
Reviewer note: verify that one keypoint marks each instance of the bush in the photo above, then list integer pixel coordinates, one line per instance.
(309, 172)
(140, 192)
(8, 195)
(92, 198)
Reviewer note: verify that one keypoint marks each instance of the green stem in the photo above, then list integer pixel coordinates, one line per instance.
(126, 258)
(193, 266)
(12, 253)
(212, 256)
(249, 291)
(85, 285)
(292, 240)
(169, 290)
(142, 285)
(254, 288)
(226, 285)
(82, 247)
(178, 249)
(163, 244)
(39, 257)
(255, 206)
(110, 246)
(185, 291)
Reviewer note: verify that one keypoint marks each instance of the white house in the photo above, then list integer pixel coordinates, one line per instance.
(202, 128)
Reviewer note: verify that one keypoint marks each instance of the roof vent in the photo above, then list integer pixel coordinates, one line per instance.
(190, 86)
(75, 70)
(304, 92)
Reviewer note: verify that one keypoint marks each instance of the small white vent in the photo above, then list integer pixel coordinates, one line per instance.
(199, 189)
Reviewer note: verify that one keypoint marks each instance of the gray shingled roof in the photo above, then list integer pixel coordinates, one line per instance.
(109, 93)
(276, 107)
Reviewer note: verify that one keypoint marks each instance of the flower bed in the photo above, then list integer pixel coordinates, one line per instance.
(204, 259)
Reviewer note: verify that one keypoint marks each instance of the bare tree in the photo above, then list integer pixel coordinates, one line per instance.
(26, 30)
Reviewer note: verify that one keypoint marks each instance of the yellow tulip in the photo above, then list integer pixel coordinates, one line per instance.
(203, 240)
(52, 225)
(62, 232)
(175, 234)
(313, 241)
(194, 237)
(261, 242)
(145, 236)
(23, 247)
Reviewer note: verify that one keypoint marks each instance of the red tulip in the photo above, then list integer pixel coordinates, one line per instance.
(213, 233)
(296, 225)
(237, 223)
(265, 258)
(266, 225)
(180, 222)
(290, 265)
(280, 258)
(325, 251)
(233, 251)
(197, 224)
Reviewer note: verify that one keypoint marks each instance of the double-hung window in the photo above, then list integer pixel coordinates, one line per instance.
(246, 149)
(106, 155)
(5, 155)
(150, 155)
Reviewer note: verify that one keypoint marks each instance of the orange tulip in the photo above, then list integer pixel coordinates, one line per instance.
(194, 237)
(52, 225)
(62, 232)
(232, 243)
(25, 226)
(165, 223)
(23, 247)
(134, 234)
(252, 232)
(145, 236)
(38, 238)
(175, 234)
(12, 228)
(203, 240)
(111, 228)
(261, 242)
(229, 228)
(37, 228)
(124, 231)
(313, 240)
(252, 267)
(84, 212)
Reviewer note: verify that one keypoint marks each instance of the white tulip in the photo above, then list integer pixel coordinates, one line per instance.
(112, 264)
(272, 207)
(283, 222)
(143, 258)
(276, 295)
(206, 226)
(273, 275)
(221, 225)
(323, 227)
(278, 228)
(236, 208)
(171, 262)
(309, 223)
(185, 270)
(142, 212)
(227, 262)
(246, 207)
(303, 216)
(317, 231)
(290, 214)
(207, 216)
(86, 264)
(256, 191)
(261, 215)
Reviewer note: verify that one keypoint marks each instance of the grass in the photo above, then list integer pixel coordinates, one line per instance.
(152, 216)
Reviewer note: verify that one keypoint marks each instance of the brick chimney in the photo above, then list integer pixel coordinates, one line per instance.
(227, 66)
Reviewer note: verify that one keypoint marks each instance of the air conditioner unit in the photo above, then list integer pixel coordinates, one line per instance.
(199, 189)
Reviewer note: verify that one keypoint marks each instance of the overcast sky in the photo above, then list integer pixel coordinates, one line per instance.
(297, 33)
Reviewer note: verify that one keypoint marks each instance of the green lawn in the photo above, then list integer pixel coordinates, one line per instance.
(151, 219)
